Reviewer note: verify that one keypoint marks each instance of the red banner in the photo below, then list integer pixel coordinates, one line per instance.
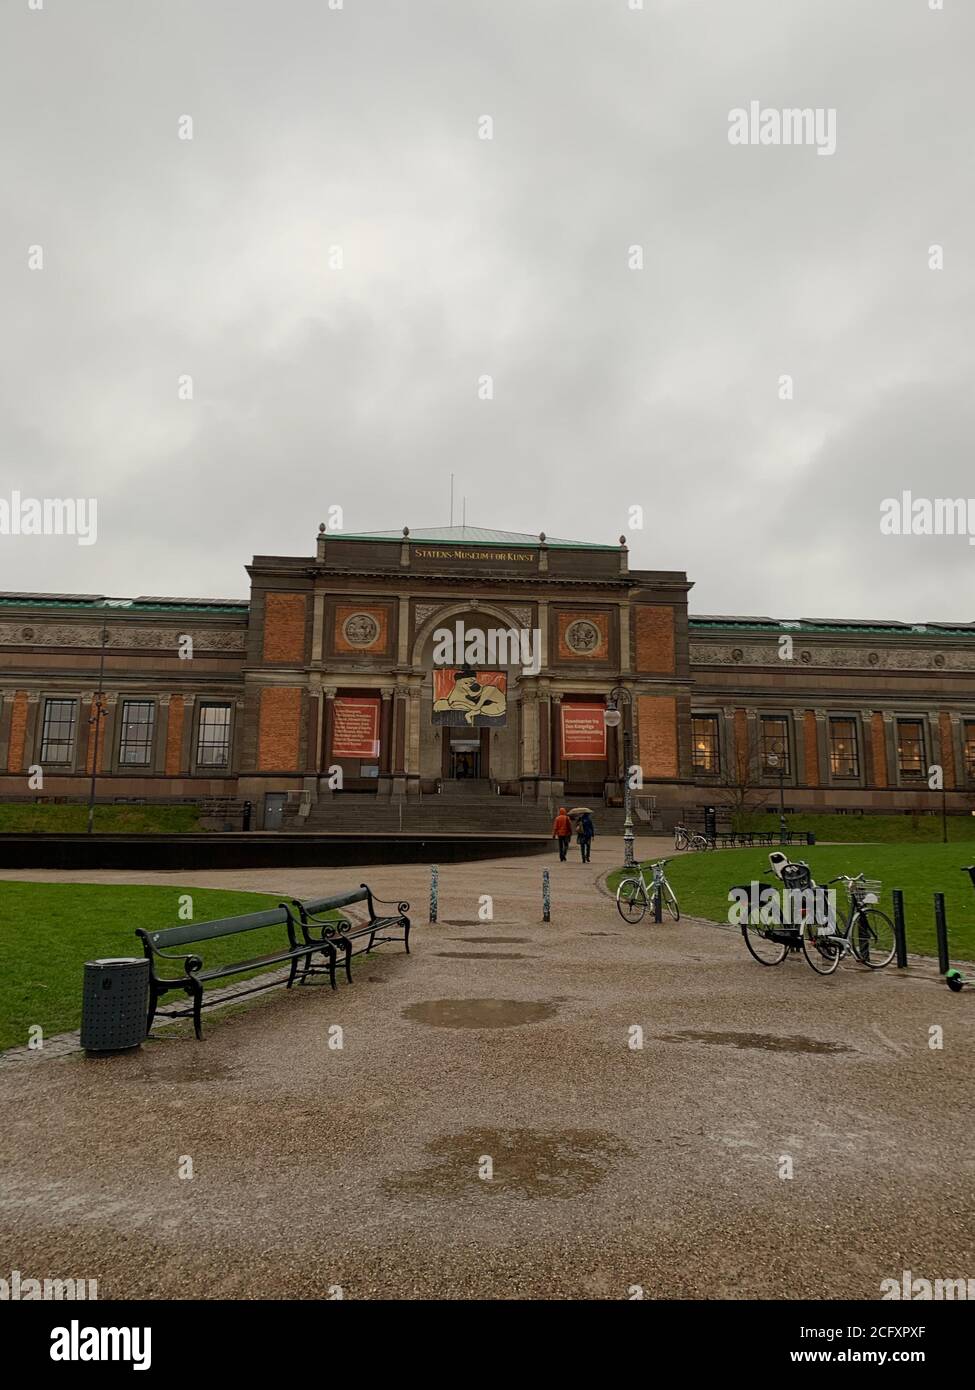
(583, 732)
(355, 728)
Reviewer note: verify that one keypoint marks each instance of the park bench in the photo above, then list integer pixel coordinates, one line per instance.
(345, 933)
(156, 946)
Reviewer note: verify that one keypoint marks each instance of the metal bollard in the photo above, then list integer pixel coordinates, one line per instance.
(546, 897)
(434, 891)
(900, 936)
(941, 929)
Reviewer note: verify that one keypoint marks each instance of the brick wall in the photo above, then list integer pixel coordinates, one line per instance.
(657, 724)
(947, 751)
(810, 749)
(654, 639)
(174, 736)
(279, 729)
(878, 745)
(284, 627)
(18, 731)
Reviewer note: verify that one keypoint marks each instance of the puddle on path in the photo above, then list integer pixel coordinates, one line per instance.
(767, 1042)
(528, 1162)
(484, 955)
(478, 1013)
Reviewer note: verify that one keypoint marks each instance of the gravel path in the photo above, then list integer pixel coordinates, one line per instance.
(503, 1047)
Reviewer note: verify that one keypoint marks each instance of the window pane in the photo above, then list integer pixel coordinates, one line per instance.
(775, 745)
(704, 742)
(138, 723)
(57, 735)
(213, 742)
(910, 747)
(843, 755)
(970, 750)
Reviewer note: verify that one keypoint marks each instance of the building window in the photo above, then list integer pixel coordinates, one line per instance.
(844, 759)
(910, 747)
(213, 740)
(775, 745)
(57, 736)
(970, 750)
(704, 743)
(138, 725)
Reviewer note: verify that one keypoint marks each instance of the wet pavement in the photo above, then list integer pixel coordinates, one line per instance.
(610, 1106)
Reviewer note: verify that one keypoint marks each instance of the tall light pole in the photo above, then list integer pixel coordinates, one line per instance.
(95, 722)
(776, 760)
(613, 718)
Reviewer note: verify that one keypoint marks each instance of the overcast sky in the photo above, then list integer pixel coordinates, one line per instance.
(314, 386)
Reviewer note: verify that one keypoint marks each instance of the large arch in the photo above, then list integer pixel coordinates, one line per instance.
(455, 610)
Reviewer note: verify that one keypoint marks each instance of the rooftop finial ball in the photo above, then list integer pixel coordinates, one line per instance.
(406, 530)
(321, 527)
(622, 540)
(541, 535)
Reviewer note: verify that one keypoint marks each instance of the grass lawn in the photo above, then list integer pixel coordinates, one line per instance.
(28, 817)
(49, 930)
(701, 882)
(875, 829)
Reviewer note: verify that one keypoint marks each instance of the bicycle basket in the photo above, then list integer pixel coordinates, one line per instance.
(866, 891)
(796, 876)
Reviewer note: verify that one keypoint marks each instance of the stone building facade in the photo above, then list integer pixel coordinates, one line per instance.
(325, 683)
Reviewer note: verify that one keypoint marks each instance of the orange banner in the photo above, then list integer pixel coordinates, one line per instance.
(583, 732)
(355, 728)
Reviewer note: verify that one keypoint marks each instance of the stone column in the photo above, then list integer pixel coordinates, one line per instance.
(413, 740)
(403, 633)
(162, 734)
(328, 728)
(624, 633)
(385, 742)
(529, 740)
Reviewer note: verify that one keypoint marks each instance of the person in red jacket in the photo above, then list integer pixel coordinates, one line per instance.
(562, 831)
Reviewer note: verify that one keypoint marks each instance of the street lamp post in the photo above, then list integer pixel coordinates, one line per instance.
(618, 693)
(95, 722)
(776, 760)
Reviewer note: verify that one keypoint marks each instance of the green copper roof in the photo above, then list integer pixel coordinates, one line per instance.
(468, 535)
(90, 602)
(835, 626)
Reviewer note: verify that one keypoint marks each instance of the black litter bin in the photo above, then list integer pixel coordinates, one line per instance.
(114, 1004)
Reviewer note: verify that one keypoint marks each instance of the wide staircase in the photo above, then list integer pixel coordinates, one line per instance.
(471, 807)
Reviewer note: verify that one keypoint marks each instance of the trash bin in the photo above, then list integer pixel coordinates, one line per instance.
(114, 1003)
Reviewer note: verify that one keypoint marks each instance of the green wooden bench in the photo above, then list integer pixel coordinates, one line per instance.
(157, 944)
(344, 933)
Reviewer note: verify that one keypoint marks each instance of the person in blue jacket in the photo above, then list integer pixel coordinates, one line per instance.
(585, 833)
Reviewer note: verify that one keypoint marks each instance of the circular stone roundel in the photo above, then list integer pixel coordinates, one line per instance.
(361, 629)
(582, 636)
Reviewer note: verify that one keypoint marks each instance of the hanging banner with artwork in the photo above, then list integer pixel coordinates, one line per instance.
(355, 727)
(469, 699)
(583, 732)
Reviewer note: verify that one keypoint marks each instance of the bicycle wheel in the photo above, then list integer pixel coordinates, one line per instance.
(762, 945)
(670, 899)
(698, 842)
(822, 951)
(872, 938)
(680, 839)
(631, 900)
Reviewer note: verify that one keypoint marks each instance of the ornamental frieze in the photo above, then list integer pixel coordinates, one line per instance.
(812, 655)
(36, 634)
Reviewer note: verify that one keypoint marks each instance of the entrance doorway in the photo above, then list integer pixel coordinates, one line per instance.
(465, 759)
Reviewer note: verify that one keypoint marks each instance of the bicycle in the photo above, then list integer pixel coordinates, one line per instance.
(873, 943)
(687, 839)
(635, 895)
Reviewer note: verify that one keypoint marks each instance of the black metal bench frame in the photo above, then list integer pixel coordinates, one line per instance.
(344, 933)
(192, 982)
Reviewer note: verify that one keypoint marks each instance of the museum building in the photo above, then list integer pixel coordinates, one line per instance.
(329, 695)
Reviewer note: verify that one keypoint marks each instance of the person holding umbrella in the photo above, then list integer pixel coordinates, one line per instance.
(585, 830)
